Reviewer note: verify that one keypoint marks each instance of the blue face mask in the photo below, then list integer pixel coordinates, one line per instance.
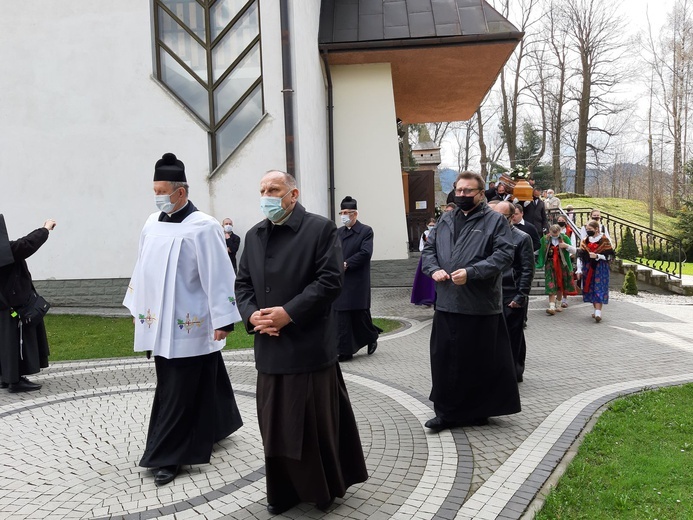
(163, 202)
(272, 207)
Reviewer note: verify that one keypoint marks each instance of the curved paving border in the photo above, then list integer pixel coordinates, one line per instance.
(512, 487)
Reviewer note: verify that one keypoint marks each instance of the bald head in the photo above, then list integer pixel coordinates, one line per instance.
(506, 209)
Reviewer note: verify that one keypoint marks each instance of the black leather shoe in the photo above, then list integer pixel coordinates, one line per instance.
(344, 357)
(278, 509)
(324, 506)
(165, 474)
(24, 385)
(4, 385)
(520, 379)
(438, 424)
(372, 347)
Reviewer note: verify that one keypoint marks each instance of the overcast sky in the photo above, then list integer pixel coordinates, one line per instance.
(637, 13)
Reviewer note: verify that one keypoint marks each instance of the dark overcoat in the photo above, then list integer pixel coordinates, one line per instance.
(15, 280)
(357, 248)
(535, 214)
(297, 265)
(484, 247)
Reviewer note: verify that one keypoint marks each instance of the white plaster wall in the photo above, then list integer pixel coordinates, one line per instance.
(81, 125)
(235, 184)
(367, 153)
(310, 107)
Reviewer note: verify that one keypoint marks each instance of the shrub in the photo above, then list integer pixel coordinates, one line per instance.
(628, 249)
(630, 284)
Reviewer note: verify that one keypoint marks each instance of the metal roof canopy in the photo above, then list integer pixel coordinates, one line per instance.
(445, 54)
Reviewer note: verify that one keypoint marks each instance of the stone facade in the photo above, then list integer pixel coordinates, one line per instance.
(99, 292)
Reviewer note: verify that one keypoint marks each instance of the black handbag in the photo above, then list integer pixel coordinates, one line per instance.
(32, 311)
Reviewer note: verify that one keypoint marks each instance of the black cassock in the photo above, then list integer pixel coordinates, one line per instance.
(194, 405)
(355, 327)
(472, 367)
(16, 286)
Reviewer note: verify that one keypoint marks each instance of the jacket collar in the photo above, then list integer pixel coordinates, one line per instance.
(293, 222)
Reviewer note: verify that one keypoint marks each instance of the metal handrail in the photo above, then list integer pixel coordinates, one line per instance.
(656, 250)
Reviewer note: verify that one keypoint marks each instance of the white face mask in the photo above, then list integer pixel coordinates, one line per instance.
(228, 228)
(345, 219)
(163, 202)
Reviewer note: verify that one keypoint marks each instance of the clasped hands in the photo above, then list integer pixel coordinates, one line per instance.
(458, 277)
(270, 320)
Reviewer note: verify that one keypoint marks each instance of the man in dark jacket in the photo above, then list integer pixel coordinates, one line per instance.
(353, 306)
(23, 351)
(471, 362)
(535, 212)
(520, 223)
(517, 281)
(290, 272)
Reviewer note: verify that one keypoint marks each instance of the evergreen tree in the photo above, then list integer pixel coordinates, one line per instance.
(628, 249)
(630, 284)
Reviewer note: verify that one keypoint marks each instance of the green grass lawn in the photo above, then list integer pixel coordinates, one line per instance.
(633, 210)
(687, 268)
(73, 337)
(637, 462)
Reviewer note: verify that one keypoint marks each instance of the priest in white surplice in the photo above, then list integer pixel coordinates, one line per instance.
(182, 298)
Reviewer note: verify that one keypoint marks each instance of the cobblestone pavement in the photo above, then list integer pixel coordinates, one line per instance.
(71, 449)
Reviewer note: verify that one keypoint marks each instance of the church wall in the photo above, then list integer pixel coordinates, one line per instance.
(367, 163)
(82, 123)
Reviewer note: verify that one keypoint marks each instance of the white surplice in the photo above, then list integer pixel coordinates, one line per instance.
(182, 287)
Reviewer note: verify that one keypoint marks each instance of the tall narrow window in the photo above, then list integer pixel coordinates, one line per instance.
(208, 55)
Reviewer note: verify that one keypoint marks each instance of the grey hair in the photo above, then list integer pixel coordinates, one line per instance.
(289, 179)
(184, 185)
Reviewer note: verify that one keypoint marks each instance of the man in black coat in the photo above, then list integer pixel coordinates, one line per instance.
(520, 223)
(353, 306)
(472, 372)
(290, 272)
(233, 242)
(535, 212)
(517, 281)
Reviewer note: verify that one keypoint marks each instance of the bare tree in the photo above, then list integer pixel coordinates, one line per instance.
(672, 61)
(556, 78)
(513, 79)
(595, 29)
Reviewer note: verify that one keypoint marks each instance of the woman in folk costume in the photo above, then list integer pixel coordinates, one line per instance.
(594, 257)
(554, 257)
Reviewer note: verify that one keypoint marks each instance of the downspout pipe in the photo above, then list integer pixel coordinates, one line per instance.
(330, 135)
(288, 88)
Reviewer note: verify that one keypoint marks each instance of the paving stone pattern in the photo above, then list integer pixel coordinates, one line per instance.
(71, 450)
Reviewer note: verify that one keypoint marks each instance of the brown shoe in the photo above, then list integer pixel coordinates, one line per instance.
(550, 311)
(597, 319)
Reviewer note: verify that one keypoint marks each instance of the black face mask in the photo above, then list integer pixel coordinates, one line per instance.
(562, 224)
(590, 233)
(465, 203)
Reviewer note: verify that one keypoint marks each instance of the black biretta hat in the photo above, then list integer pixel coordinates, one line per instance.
(170, 169)
(348, 203)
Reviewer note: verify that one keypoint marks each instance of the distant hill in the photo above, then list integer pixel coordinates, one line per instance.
(447, 177)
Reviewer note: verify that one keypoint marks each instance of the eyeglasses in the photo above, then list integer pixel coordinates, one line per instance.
(466, 191)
